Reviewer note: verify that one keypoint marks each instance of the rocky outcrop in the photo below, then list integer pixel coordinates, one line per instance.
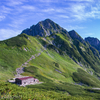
(93, 42)
(44, 28)
(74, 35)
(21, 69)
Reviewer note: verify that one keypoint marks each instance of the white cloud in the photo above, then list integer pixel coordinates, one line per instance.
(83, 11)
(63, 0)
(27, 7)
(5, 9)
(2, 17)
(78, 11)
(63, 16)
(14, 3)
(61, 10)
(81, 0)
(74, 27)
(47, 1)
(8, 33)
(48, 10)
(16, 22)
(87, 34)
(4, 12)
(78, 8)
(54, 10)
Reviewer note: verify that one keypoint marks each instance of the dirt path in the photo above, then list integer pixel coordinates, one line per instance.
(21, 69)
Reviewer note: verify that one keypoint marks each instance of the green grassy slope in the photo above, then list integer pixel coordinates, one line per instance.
(13, 92)
(53, 62)
(18, 50)
(56, 65)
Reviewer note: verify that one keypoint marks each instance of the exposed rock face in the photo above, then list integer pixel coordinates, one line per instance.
(74, 35)
(45, 28)
(93, 42)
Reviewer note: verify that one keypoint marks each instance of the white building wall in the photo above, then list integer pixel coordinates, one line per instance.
(27, 81)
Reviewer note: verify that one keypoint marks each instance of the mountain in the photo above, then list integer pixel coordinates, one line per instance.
(70, 43)
(44, 28)
(93, 42)
(74, 35)
(62, 60)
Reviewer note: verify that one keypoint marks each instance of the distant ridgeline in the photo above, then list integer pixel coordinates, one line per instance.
(71, 43)
(93, 42)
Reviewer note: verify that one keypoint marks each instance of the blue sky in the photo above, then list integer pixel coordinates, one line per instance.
(81, 15)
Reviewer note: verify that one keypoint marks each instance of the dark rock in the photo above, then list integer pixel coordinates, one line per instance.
(74, 35)
(93, 42)
(44, 28)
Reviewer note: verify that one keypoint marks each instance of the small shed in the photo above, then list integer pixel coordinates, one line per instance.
(26, 80)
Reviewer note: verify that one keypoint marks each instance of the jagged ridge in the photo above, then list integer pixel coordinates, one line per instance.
(44, 28)
(93, 42)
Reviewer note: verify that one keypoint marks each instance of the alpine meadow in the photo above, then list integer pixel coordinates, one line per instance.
(67, 65)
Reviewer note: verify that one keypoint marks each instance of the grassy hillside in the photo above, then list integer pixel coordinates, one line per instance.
(55, 64)
(13, 92)
(15, 54)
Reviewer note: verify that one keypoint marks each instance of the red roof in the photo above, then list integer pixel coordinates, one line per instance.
(24, 78)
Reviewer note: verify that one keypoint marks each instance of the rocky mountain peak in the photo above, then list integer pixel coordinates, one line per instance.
(47, 21)
(74, 35)
(93, 41)
(44, 28)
